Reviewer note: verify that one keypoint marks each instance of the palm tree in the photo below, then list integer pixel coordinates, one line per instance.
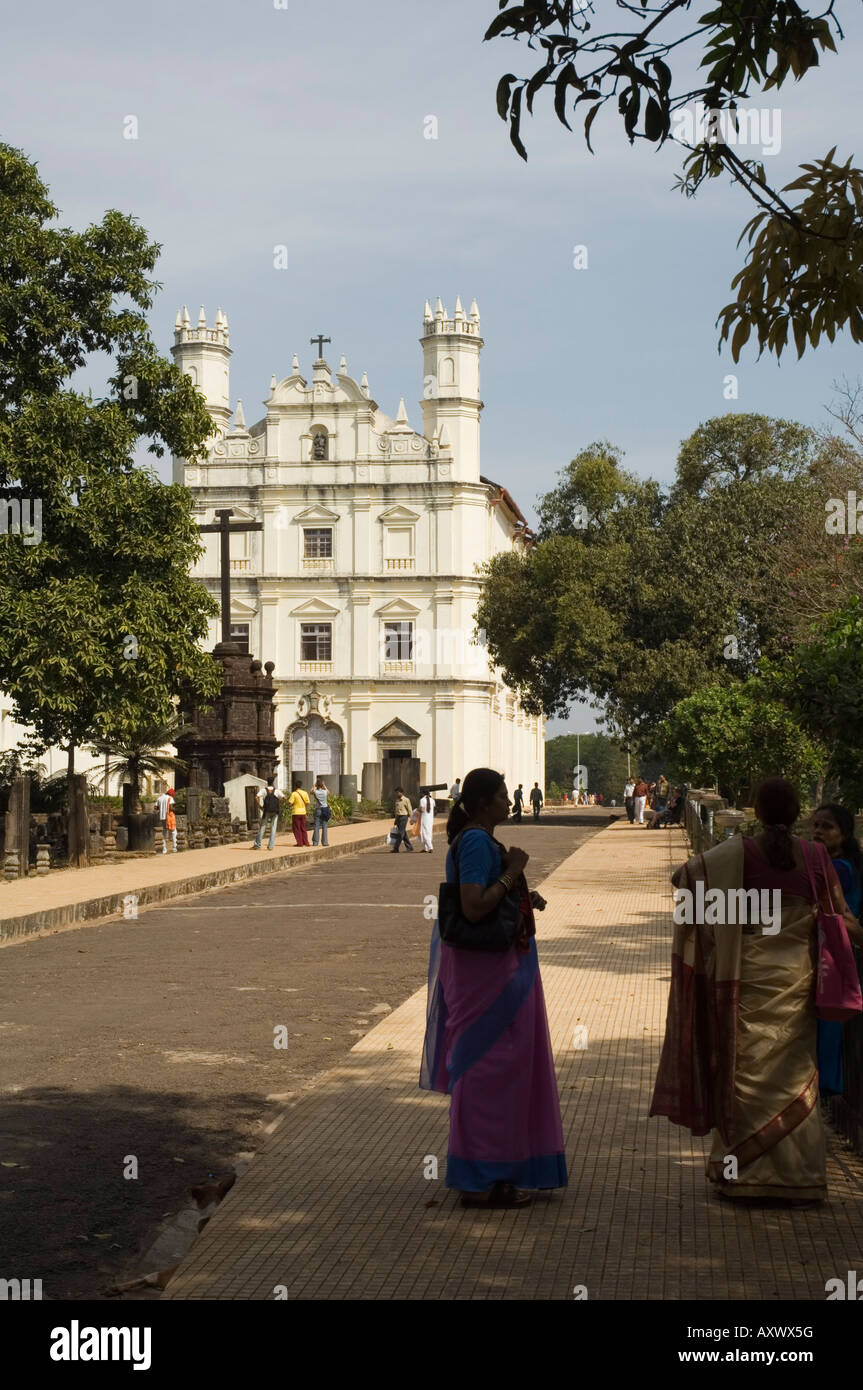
(139, 755)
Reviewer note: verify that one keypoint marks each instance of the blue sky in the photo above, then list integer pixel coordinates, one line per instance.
(305, 126)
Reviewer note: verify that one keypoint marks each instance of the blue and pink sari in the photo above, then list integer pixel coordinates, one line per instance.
(487, 1045)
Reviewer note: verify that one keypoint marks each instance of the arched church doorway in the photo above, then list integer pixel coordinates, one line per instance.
(316, 746)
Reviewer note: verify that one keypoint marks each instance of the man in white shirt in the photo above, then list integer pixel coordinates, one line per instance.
(455, 790)
(164, 805)
(629, 799)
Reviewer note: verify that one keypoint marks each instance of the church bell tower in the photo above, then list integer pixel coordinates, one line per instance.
(451, 402)
(203, 354)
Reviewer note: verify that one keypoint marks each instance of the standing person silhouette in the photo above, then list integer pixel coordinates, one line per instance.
(536, 799)
(518, 803)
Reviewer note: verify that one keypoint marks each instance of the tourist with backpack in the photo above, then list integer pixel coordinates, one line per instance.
(270, 804)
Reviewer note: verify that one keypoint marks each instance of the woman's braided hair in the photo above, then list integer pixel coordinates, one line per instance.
(777, 806)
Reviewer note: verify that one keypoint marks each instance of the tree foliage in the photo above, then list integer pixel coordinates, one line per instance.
(821, 681)
(735, 736)
(101, 621)
(662, 593)
(604, 759)
(804, 267)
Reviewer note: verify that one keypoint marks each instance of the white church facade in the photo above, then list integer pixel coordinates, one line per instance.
(363, 584)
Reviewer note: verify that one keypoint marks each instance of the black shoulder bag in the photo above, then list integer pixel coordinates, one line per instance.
(496, 932)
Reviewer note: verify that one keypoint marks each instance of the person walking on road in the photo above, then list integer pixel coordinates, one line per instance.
(270, 803)
(167, 818)
(402, 811)
(629, 799)
(320, 793)
(426, 810)
(640, 800)
(455, 790)
(536, 800)
(662, 790)
(487, 1042)
(299, 804)
(518, 803)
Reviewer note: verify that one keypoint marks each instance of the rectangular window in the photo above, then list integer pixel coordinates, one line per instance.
(316, 641)
(398, 641)
(318, 543)
(240, 633)
(399, 542)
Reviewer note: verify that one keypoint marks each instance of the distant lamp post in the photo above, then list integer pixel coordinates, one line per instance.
(578, 769)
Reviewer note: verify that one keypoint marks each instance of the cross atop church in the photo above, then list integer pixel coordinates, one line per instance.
(225, 528)
(320, 340)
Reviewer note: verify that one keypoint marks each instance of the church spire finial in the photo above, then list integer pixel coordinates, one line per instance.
(295, 365)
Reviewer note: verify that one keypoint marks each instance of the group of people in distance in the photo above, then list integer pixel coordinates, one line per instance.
(744, 1056)
(270, 799)
(653, 804)
(535, 796)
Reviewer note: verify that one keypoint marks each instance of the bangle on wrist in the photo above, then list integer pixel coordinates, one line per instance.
(506, 881)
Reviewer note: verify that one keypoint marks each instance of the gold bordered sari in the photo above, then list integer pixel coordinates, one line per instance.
(740, 1051)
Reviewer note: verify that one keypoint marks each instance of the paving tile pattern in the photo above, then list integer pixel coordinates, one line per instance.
(336, 1206)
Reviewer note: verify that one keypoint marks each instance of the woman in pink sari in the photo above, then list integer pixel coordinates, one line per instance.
(487, 1042)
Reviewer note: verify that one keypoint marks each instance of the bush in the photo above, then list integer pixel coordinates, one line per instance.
(342, 809)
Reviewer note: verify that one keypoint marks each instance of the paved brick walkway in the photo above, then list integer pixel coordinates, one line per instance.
(336, 1205)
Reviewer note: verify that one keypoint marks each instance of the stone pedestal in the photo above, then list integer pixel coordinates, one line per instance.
(79, 823)
(43, 859)
(18, 824)
(348, 787)
(235, 737)
(111, 845)
(371, 781)
(10, 868)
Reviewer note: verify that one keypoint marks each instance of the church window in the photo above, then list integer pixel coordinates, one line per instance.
(240, 633)
(316, 641)
(398, 641)
(399, 554)
(317, 542)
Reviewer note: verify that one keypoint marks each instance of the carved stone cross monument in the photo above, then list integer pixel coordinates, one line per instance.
(234, 736)
(226, 529)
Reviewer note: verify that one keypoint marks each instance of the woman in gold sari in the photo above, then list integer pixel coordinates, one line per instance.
(740, 1051)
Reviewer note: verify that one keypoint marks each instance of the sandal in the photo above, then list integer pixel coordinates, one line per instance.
(503, 1194)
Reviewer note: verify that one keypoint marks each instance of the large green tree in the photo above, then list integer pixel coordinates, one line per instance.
(672, 77)
(635, 598)
(102, 623)
(821, 682)
(735, 736)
